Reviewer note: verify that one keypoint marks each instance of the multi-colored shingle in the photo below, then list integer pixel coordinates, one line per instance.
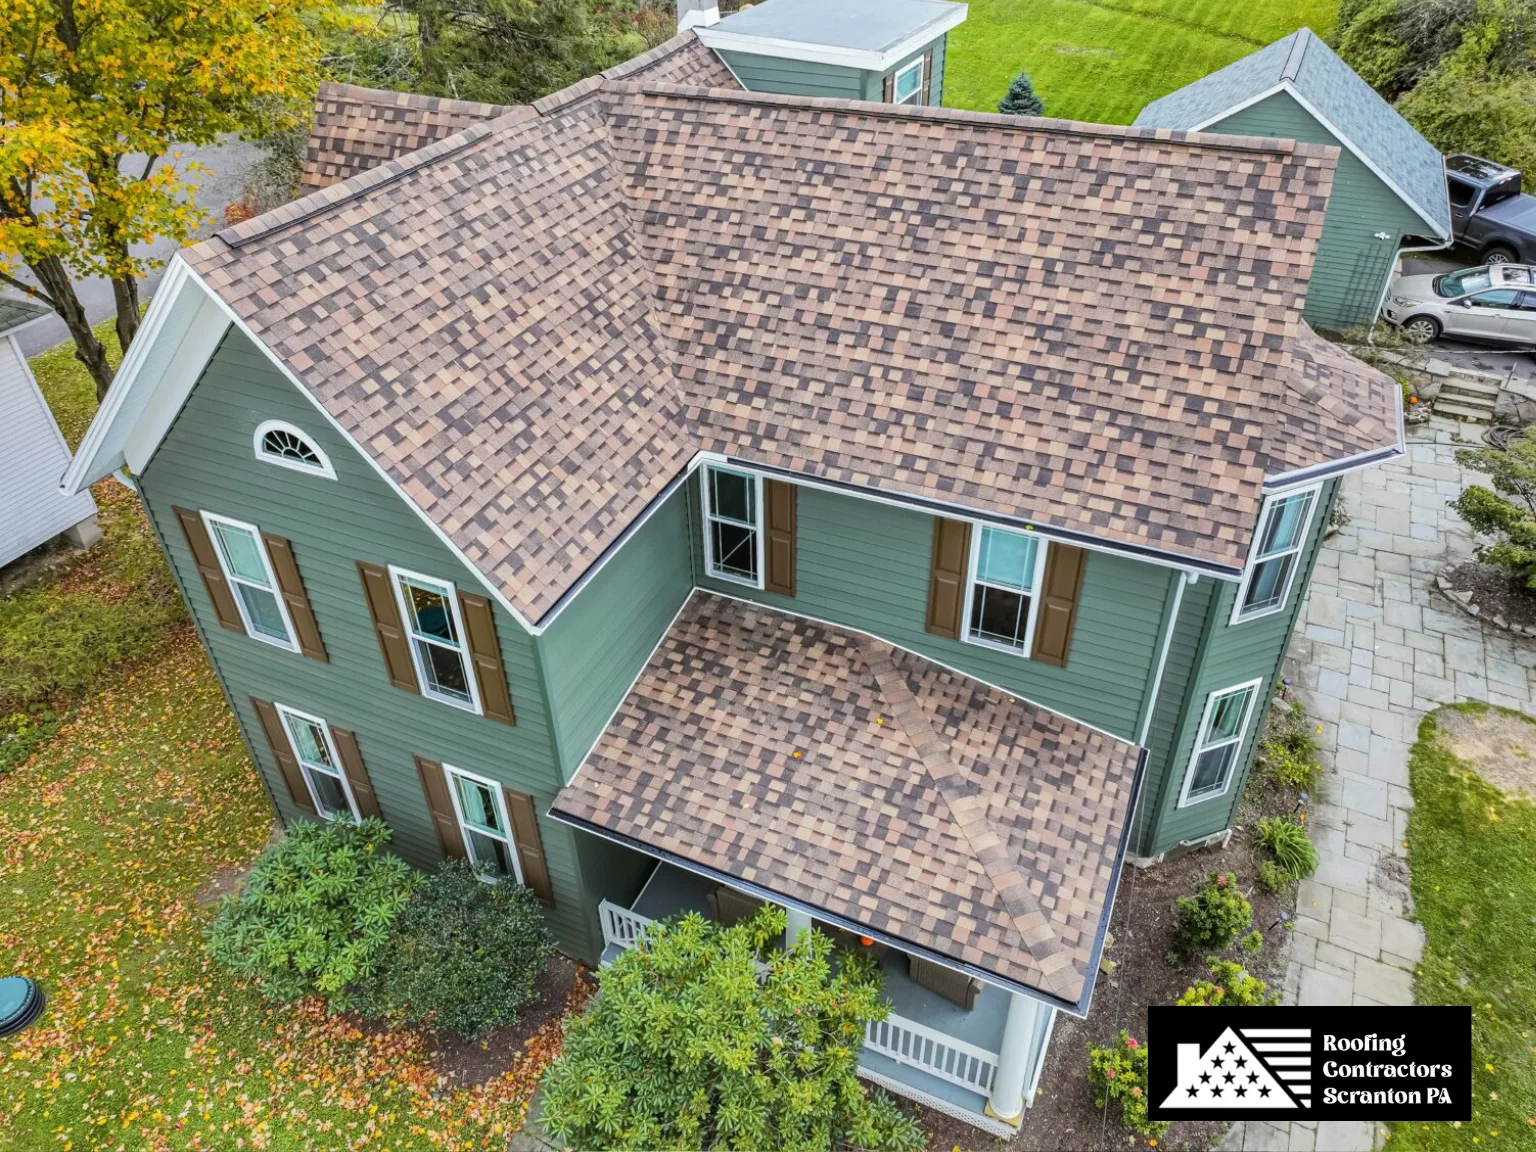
(871, 784)
(535, 324)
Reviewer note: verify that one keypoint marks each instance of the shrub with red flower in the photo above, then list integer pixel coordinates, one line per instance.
(1118, 1072)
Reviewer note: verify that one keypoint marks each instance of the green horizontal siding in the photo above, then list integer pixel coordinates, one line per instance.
(1352, 266)
(596, 647)
(795, 77)
(1230, 655)
(206, 462)
(865, 565)
(874, 82)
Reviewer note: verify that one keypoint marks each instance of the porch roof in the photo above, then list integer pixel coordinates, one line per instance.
(872, 786)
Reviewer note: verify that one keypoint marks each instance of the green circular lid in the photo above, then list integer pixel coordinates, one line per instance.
(16, 992)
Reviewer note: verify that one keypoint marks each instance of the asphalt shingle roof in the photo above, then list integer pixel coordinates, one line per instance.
(871, 784)
(1353, 108)
(535, 324)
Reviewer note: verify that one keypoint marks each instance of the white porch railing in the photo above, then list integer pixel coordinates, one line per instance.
(908, 1042)
(621, 926)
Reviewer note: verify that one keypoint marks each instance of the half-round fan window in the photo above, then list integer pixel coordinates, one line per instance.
(284, 445)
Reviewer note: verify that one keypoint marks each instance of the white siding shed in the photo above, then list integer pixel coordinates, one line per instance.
(33, 454)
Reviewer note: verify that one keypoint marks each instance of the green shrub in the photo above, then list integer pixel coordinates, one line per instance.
(316, 912)
(464, 955)
(1273, 878)
(1214, 917)
(1508, 512)
(687, 1047)
(1021, 98)
(1286, 840)
(21, 733)
(1254, 941)
(1119, 1073)
(1288, 746)
(1230, 987)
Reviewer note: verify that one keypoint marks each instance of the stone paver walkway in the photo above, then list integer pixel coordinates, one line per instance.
(1376, 652)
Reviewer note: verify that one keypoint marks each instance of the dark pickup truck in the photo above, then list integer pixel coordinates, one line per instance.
(1489, 212)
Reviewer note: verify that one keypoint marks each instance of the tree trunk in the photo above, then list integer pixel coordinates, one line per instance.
(91, 352)
(125, 293)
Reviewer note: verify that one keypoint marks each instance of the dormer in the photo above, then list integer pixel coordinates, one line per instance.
(890, 51)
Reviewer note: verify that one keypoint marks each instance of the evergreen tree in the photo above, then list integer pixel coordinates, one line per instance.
(1021, 99)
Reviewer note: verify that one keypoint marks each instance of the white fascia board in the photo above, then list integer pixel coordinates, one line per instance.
(1290, 90)
(480, 577)
(866, 59)
(166, 325)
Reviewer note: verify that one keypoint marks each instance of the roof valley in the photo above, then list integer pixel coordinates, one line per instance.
(968, 810)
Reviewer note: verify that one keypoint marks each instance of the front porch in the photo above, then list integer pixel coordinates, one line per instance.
(930, 1049)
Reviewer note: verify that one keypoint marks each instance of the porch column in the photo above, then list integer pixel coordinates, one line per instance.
(1007, 1102)
(797, 921)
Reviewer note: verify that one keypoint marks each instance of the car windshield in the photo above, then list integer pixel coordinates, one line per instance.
(1460, 283)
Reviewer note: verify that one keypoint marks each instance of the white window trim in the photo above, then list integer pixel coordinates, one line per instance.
(396, 575)
(1197, 749)
(917, 92)
(757, 505)
(1273, 498)
(449, 772)
(1042, 545)
(322, 469)
(287, 714)
(209, 520)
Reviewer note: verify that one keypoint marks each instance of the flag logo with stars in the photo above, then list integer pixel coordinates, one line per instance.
(1259, 1068)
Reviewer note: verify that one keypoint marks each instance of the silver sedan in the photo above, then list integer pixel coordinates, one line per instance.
(1495, 303)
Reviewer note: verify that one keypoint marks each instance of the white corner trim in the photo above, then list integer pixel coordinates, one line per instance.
(1162, 660)
(865, 59)
(324, 468)
(1290, 90)
(495, 593)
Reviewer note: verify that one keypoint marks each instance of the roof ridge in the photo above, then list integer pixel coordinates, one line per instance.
(1299, 42)
(1205, 141)
(390, 97)
(968, 813)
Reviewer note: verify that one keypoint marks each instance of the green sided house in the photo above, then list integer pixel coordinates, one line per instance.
(1389, 191)
(674, 498)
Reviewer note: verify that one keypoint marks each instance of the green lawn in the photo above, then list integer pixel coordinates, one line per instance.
(113, 815)
(1103, 60)
(1472, 851)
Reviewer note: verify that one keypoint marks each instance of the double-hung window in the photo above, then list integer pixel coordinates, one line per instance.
(482, 813)
(1001, 595)
(1219, 743)
(1276, 554)
(310, 737)
(246, 565)
(907, 85)
(733, 529)
(430, 610)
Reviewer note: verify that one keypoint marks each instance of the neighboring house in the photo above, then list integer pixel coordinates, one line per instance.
(33, 454)
(1389, 192)
(674, 497)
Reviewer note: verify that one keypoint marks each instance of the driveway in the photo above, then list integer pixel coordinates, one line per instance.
(1377, 649)
(228, 164)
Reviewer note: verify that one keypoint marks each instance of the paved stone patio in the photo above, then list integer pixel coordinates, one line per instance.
(1375, 652)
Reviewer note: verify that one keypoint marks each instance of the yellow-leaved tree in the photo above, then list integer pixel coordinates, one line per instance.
(95, 98)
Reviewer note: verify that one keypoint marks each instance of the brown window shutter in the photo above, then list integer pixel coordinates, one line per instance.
(779, 523)
(357, 775)
(480, 624)
(292, 587)
(434, 782)
(207, 562)
(530, 846)
(890, 87)
(282, 752)
(946, 577)
(927, 78)
(388, 627)
(1064, 567)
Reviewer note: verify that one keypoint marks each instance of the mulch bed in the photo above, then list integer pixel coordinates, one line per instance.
(1064, 1118)
(463, 1063)
(1493, 593)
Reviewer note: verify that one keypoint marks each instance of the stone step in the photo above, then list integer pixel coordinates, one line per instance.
(1472, 384)
(1475, 415)
(1469, 399)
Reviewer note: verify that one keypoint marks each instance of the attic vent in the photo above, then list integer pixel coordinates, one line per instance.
(284, 445)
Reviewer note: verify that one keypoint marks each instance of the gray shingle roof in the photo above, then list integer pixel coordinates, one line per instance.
(1310, 70)
(14, 312)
